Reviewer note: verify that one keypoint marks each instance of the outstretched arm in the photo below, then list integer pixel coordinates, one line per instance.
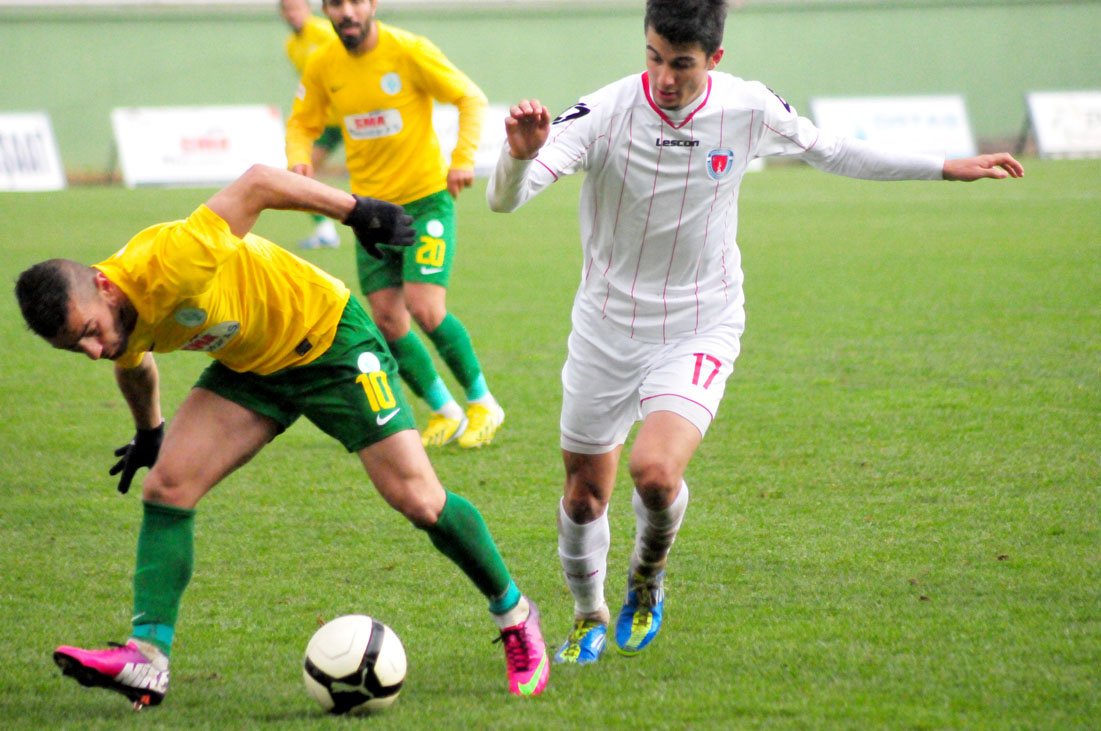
(998, 165)
(262, 187)
(374, 221)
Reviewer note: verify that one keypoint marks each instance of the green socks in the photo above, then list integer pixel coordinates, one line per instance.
(416, 369)
(461, 535)
(164, 564)
(453, 343)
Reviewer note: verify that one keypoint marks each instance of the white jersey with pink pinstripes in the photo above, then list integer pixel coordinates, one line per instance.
(659, 205)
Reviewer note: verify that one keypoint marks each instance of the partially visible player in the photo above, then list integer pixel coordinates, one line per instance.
(308, 31)
(658, 317)
(381, 81)
(288, 340)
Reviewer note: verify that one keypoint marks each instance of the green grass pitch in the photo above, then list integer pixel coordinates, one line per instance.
(895, 519)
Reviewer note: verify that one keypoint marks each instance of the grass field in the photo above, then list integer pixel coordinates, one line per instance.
(895, 519)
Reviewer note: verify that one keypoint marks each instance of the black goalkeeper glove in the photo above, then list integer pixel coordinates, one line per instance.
(377, 222)
(141, 452)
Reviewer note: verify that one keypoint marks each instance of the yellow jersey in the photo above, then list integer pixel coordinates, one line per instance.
(246, 302)
(315, 33)
(383, 100)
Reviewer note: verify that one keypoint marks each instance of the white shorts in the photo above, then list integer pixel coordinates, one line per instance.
(610, 382)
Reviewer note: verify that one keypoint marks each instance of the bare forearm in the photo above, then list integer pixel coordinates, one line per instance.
(141, 388)
(263, 187)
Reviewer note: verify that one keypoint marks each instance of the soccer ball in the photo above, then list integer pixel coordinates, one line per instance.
(354, 664)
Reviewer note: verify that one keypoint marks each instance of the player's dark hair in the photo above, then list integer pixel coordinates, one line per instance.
(684, 22)
(43, 292)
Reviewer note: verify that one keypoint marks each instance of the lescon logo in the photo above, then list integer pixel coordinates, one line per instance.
(720, 163)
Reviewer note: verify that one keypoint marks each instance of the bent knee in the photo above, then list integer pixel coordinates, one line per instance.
(392, 325)
(421, 501)
(164, 488)
(655, 480)
(421, 513)
(428, 316)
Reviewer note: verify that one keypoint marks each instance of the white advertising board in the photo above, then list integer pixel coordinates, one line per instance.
(445, 120)
(29, 159)
(1066, 123)
(937, 125)
(196, 146)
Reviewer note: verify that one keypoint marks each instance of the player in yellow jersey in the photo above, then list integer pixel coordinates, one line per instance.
(308, 31)
(381, 81)
(287, 340)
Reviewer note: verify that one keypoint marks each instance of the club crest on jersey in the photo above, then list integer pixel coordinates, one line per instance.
(720, 163)
(391, 83)
(190, 316)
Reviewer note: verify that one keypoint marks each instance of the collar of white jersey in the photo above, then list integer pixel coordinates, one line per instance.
(675, 124)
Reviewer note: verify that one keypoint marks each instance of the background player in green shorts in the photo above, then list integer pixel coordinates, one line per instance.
(380, 82)
(288, 340)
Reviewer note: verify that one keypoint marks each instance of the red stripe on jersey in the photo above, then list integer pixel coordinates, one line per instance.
(642, 240)
(792, 139)
(676, 238)
(618, 208)
(661, 113)
(707, 230)
(553, 174)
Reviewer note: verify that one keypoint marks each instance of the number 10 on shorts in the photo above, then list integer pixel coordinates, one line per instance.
(377, 388)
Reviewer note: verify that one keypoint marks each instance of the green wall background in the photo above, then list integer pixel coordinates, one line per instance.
(77, 65)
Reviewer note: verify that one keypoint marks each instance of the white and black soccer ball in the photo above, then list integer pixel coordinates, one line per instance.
(354, 664)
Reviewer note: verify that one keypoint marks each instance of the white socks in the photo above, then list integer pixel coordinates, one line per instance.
(655, 531)
(452, 410)
(326, 230)
(514, 616)
(583, 551)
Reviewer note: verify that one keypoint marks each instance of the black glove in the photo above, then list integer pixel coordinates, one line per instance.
(377, 222)
(141, 452)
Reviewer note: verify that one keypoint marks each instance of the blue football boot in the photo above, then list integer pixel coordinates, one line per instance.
(640, 618)
(585, 644)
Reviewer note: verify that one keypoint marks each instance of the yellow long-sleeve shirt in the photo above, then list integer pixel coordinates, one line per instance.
(383, 99)
(244, 301)
(316, 32)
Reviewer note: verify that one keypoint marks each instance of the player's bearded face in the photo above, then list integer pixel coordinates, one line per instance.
(678, 74)
(352, 21)
(98, 327)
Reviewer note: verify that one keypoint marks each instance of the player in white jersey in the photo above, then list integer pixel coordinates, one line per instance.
(659, 312)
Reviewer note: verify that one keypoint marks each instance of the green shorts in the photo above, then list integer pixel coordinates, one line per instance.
(330, 139)
(352, 392)
(427, 261)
